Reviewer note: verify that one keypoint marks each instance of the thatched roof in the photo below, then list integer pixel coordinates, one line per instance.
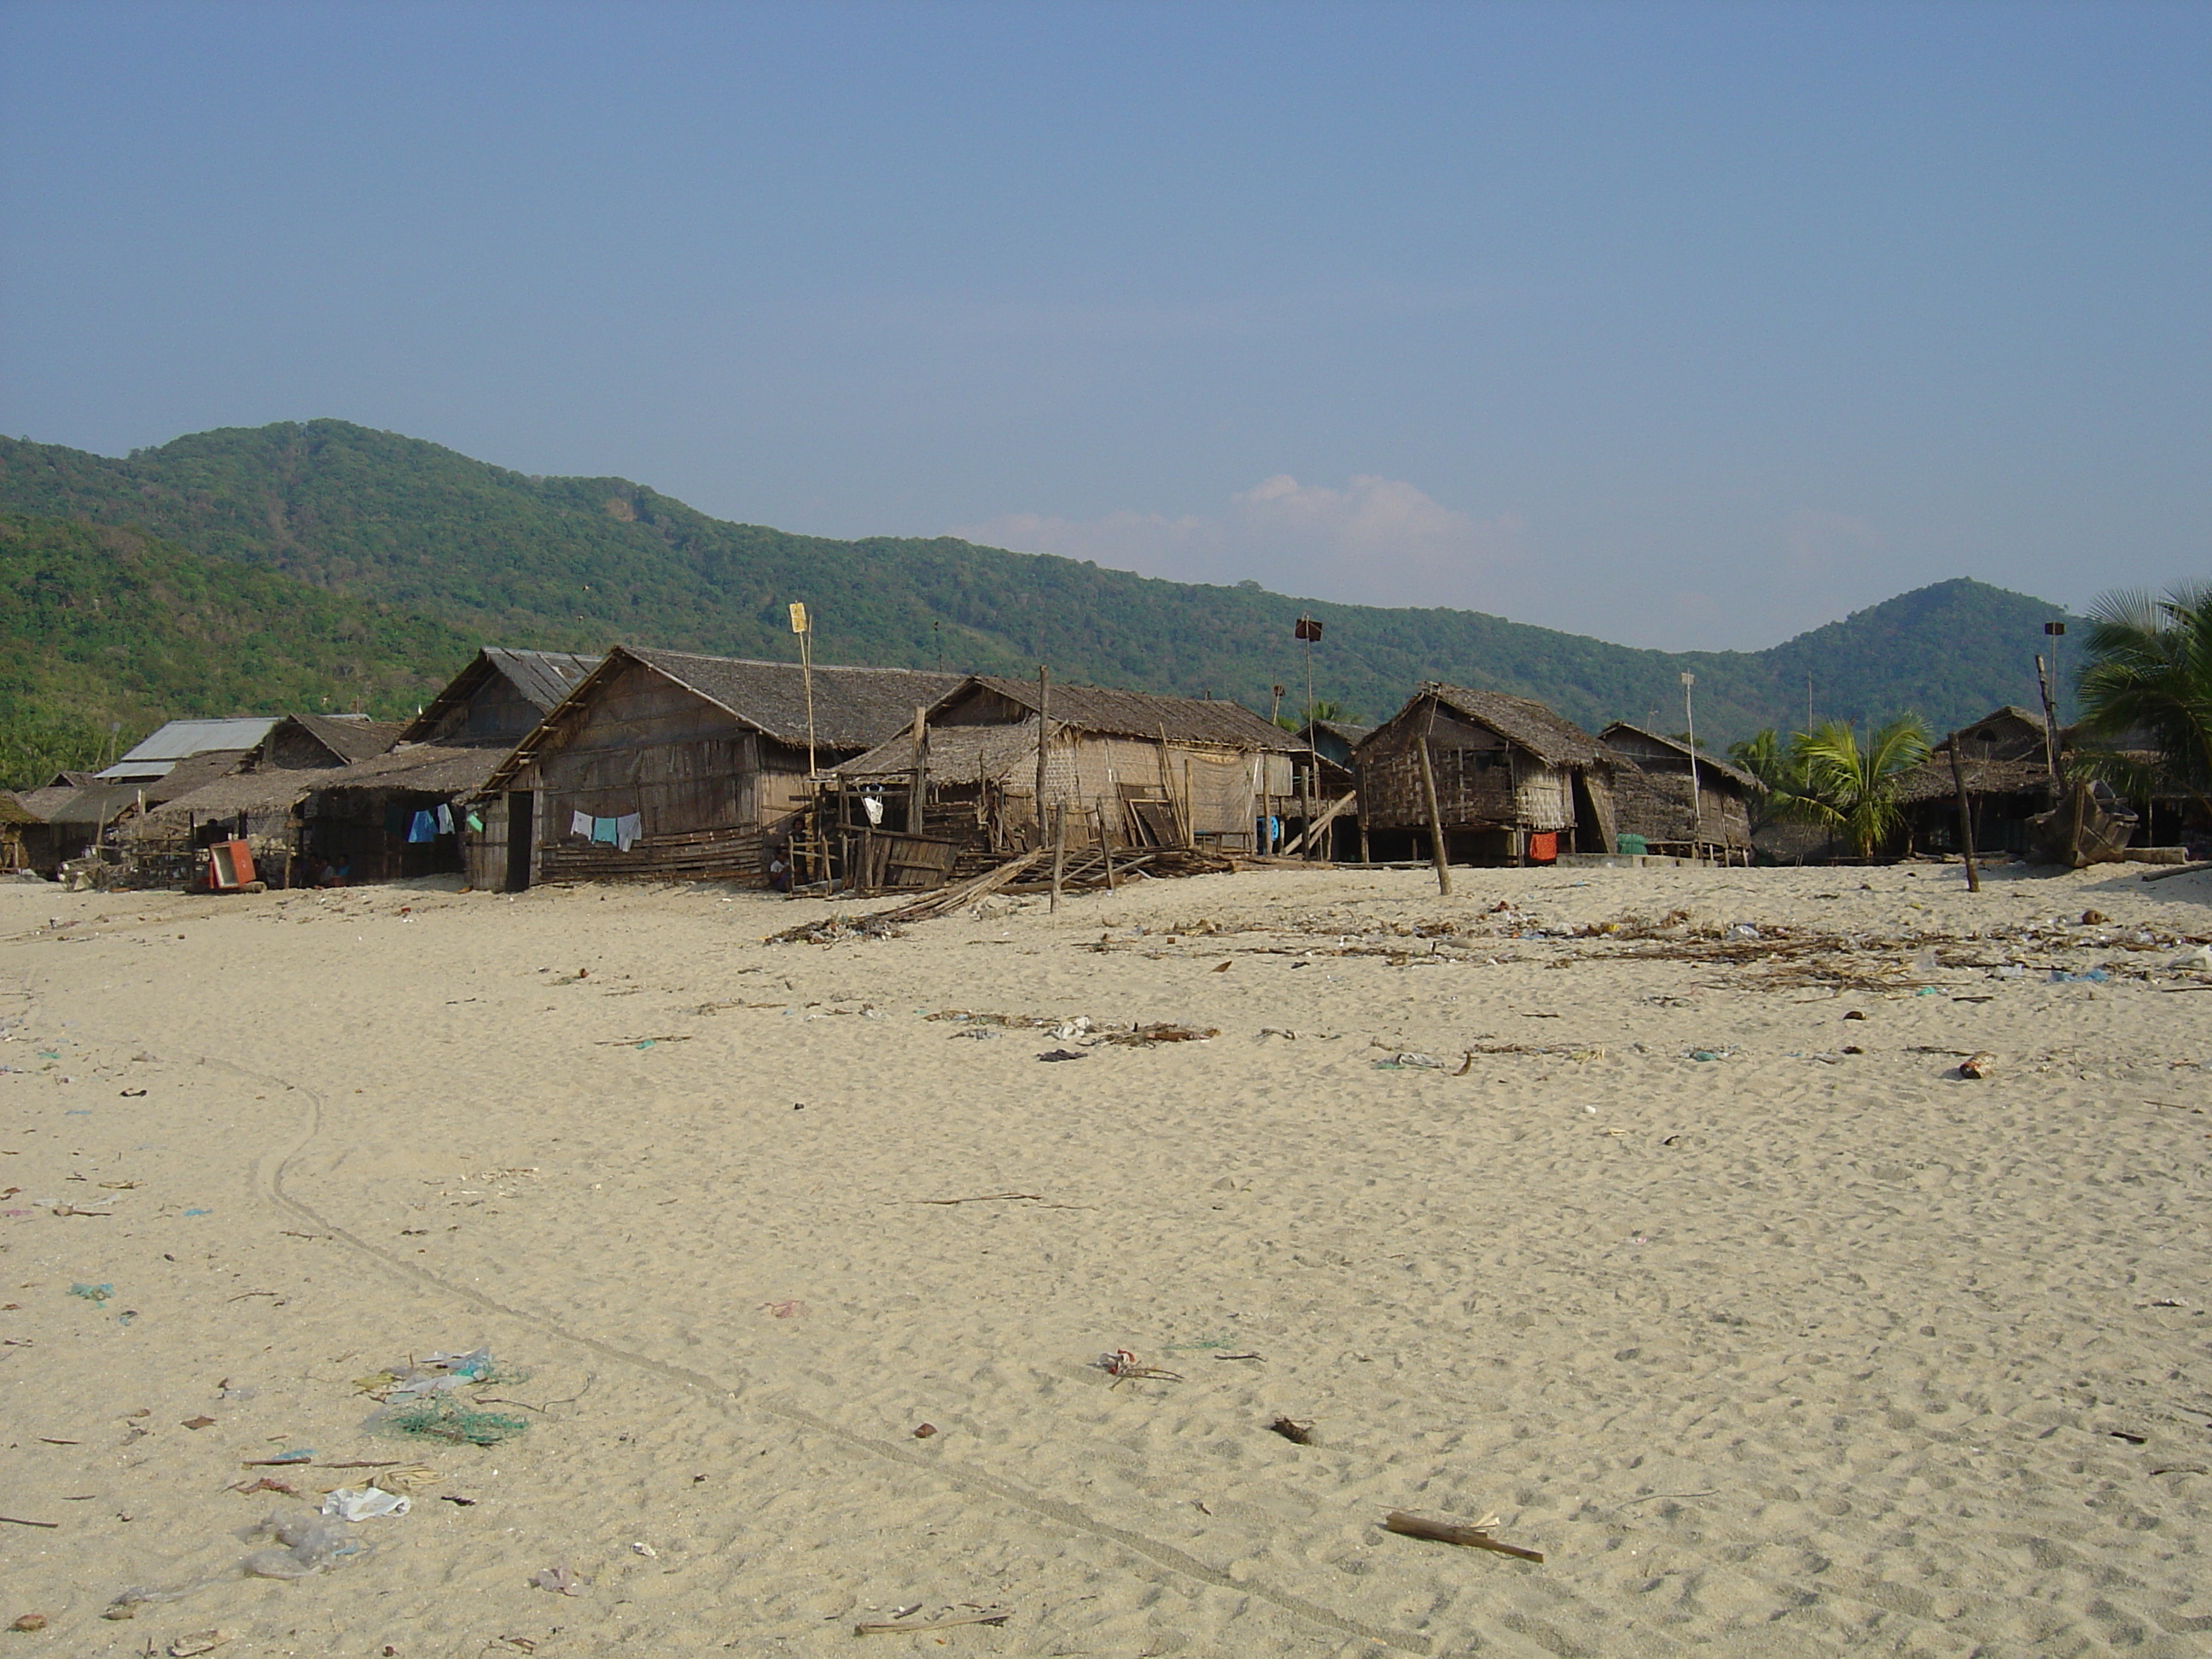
(192, 773)
(2008, 733)
(96, 804)
(420, 768)
(245, 791)
(957, 754)
(41, 803)
(1345, 731)
(348, 738)
(542, 678)
(1681, 752)
(854, 708)
(13, 811)
(428, 769)
(1551, 737)
(1931, 780)
(1144, 714)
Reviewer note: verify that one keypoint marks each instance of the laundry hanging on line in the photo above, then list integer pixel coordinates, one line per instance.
(424, 828)
(628, 829)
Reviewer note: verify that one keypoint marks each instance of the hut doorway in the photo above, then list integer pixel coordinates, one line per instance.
(522, 835)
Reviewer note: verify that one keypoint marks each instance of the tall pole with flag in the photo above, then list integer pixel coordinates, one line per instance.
(802, 625)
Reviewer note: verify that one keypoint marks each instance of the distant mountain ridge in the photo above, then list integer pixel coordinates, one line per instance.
(579, 563)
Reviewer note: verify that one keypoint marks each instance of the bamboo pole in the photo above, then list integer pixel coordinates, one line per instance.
(1436, 822)
(1105, 847)
(1966, 818)
(1059, 850)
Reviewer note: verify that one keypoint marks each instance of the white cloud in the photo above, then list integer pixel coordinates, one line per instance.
(1378, 541)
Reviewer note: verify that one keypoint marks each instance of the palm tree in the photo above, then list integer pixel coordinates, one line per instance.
(1774, 767)
(1851, 791)
(2149, 677)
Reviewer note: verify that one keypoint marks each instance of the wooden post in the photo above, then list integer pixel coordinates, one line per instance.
(1167, 789)
(1106, 849)
(1058, 849)
(1044, 729)
(2050, 726)
(1313, 760)
(917, 789)
(1436, 822)
(1965, 817)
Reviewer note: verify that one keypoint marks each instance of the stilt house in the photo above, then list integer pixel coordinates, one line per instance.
(1515, 782)
(1127, 768)
(666, 764)
(2005, 759)
(1654, 809)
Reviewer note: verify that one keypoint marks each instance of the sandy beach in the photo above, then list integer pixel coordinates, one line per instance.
(1644, 1211)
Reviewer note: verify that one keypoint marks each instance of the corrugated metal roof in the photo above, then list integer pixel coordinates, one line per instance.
(179, 738)
(1146, 715)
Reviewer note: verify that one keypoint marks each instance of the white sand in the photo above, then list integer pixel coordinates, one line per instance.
(1785, 1352)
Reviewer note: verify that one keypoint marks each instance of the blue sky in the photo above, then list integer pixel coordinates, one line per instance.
(1692, 325)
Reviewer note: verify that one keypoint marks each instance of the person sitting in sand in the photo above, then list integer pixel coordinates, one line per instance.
(778, 871)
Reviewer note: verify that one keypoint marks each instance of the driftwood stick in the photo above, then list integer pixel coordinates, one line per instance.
(2178, 870)
(1452, 1532)
(980, 1198)
(893, 1627)
(18, 1520)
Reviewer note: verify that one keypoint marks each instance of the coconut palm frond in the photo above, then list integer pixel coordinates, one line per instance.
(1850, 789)
(2149, 677)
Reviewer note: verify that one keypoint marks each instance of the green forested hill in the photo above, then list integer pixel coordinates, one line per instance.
(580, 562)
(101, 624)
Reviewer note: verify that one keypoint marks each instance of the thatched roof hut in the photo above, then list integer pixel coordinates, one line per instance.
(1653, 799)
(1515, 782)
(672, 764)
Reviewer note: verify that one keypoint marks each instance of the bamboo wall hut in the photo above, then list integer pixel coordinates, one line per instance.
(1125, 769)
(390, 815)
(14, 820)
(671, 765)
(2006, 760)
(494, 702)
(1650, 779)
(1515, 782)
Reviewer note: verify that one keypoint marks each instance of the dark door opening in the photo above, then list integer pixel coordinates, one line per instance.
(521, 832)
